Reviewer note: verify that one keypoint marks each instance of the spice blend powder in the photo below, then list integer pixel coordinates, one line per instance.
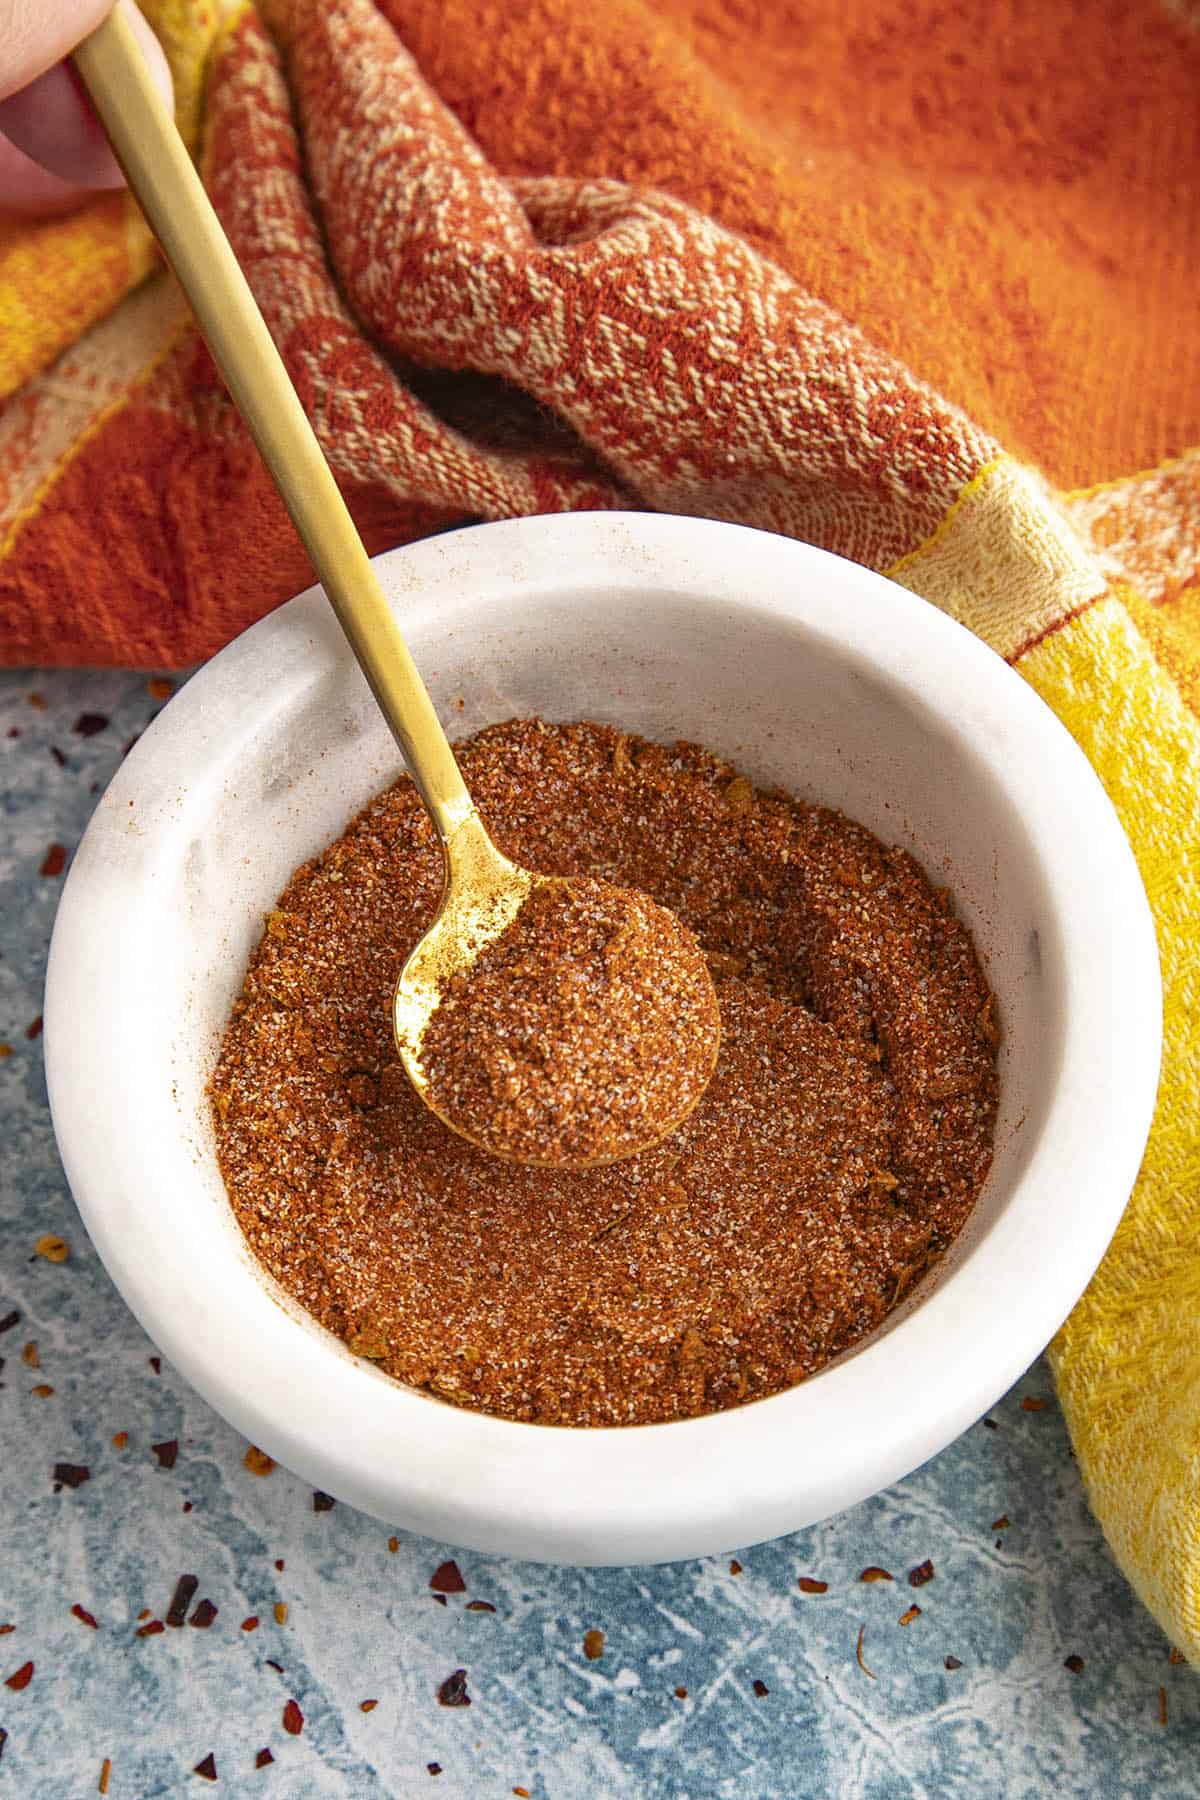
(838, 1150)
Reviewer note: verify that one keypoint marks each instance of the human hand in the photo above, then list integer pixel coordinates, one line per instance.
(53, 150)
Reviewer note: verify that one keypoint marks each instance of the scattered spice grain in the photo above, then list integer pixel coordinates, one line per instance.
(1032, 1403)
(105, 1772)
(43, 1390)
(263, 1758)
(3, 1741)
(257, 1461)
(479, 1606)
(58, 756)
(203, 1615)
(20, 1678)
(593, 1645)
(181, 1599)
(54, 1249)
(681, 1693)
(447, 1579)
(393, 1544)
(835, 1155)
(167, 1453)
(152, 1628)
(6, 1629)
(9, 1320)
(808, 1584)
(1001, 1524)
(582, 1034)
(907, 1617)
(34, 1028)
(71, 1475)
(323, 1502)
(84, 1616)
(761, 1689)
(160, 688)
(1162, 1705)
(281, 1612)
(272, 1664)
(952, 1663)
(206, 1768)
(250, 1624)
(29, 1355)
(858, 1651)
(155, 1363)
(434, 1768)
(1075, 1663)
(293, 1718)
(54, 861)
(735, 1567)
(921, 1574)
(1175, 1656)
(89, 724)
(875, 1573)
(367, 1705)
(453, 1691)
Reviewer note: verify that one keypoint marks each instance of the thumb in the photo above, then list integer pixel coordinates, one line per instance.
(56, 148)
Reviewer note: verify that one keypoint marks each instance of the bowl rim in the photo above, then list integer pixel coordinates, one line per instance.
(660, 1492)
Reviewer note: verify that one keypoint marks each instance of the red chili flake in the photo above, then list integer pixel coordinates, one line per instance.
(151, 1629)
(367, 1705)
(187, 1506)
(3, 1740)
(921, 1574)
(761, 1689)
(5, 1629)
(54, 861)
(808, 1584)
(20, 1678)
(257, 1461)
(280, 1610)
(293, 1719)
(263, 1758)
(991, 1424)
(207, 1767)
(953, 1663)
(145, 1613)
(913, 1612)
(155, 1363)
(6, 1048)
(84, 1616)
(105, 1772)
(166, 1453)
(1162, 1705)
(272, 1664)
(1033, 1403)
(1001, 1524)
(120, 1439)
(29, 1355)
(9, 1320)
(54, 1248)
(43, 1390)
(1075, 1663)
(438, 1599)
(33, 1030)
(71, 1475)
(323, 1502)
(393, 1542)
(89, 724)
(250, 1624)
(38, 702)
(434, 1768)
(1174, 1655)
(159, 688)
(181, 1599)
(521, 1793)
(453, 1691)
(203, 1615)
(593, 1645)
(58, 756)
(447, 1579)
(479, 1606)
(735, 1567)
(681, 1693)
(875, 1573)
(14, 731)
(279, 1564)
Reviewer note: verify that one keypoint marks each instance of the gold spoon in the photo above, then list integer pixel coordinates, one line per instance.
(484, 892)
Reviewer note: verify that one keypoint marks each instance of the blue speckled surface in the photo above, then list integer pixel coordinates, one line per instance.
(362, 1624)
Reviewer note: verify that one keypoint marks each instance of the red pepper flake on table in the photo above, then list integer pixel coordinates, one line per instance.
(105, 1772)
(152, 1628)
(181, 1599)
(434, 1768)
(593, 1645)
(453, 1691)
(858, 1651)
(250, 1624)
(479, 1606)
(29, 1355)
(263, 1758)
(367, 1705)
(90, 724)
(167, 1453)
(257, 1461)
(952, 1663)
(34, 1028)
(203, 1615)
(447, 1579)
(1033, 1403)
(921, 1574)
(875, 1573)
(54, 1249)
(322, 1502)
(837, 1152)
(43, 1390)
(84, 1616)
(70, 1475)
(120, 1439)
(293, 1718)
(9, 1320)
(281, 1612)
(1075, 1663)
(20, 1678)
(206, 1768)
(761, 1689)
(54, 861)
(907, 1617)
(809, 1584)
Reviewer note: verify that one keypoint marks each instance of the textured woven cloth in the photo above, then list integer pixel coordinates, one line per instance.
(913, 282)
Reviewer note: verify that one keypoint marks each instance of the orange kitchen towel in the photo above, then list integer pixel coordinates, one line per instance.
(914, 282)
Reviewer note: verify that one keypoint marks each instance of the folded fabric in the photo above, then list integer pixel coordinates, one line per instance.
(717, 260)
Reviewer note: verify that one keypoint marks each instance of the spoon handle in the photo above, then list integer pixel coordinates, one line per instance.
(171, 194)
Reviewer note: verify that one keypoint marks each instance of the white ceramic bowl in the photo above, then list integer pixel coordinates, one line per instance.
(809, 672)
